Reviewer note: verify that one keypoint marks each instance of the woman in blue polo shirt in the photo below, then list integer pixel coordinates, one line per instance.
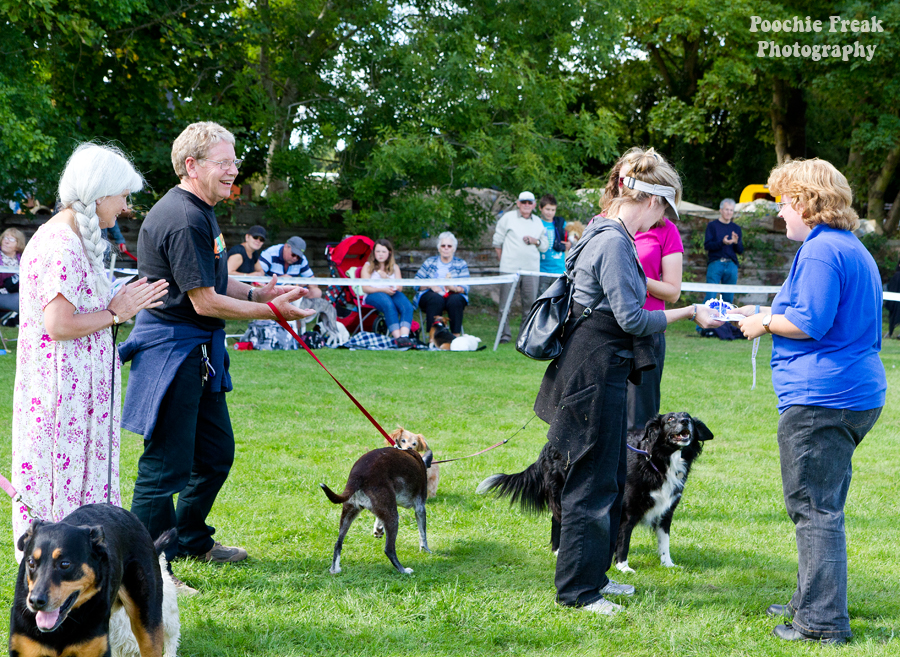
(830, 382)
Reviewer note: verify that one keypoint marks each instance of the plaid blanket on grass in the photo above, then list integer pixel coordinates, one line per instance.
(371, 341)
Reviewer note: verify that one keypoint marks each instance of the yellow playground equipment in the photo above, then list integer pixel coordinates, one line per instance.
(753, 192)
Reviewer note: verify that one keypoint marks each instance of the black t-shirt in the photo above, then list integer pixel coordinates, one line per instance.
(180, 241)
(248, 265)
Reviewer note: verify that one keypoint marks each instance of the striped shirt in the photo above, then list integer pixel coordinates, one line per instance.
(272, 261)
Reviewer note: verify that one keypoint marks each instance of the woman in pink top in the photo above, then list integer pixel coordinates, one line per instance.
(660, 251)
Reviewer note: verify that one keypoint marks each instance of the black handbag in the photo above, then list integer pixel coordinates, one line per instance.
(541, 333)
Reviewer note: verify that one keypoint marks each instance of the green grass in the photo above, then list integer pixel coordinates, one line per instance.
(488, 587)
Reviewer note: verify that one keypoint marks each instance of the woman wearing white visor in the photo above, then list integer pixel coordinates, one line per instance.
(582, 396)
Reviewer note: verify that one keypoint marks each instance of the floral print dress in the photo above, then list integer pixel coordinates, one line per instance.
(61, 402)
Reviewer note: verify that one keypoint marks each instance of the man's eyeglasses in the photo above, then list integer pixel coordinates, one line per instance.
(446, 246)
(527, 202)
(779, 206)
(225, 165)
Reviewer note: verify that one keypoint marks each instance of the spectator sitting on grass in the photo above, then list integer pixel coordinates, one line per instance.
(288, 260)
(243, 258)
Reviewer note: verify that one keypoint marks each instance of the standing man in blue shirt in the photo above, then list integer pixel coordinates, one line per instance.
(553, 260)
(723, 243)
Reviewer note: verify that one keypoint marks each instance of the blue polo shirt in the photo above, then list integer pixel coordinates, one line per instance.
(272, 261)
(833, 294)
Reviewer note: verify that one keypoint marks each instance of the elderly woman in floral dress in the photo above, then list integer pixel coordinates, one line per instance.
(65, 358)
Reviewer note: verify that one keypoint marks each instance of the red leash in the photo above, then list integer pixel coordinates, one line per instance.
(287, 327)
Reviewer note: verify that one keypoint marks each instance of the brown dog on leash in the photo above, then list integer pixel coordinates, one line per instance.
(379, 481)
(404, 439)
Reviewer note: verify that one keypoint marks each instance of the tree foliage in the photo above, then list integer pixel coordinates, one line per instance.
(411, 103)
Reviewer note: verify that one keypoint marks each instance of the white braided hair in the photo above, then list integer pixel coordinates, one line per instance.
(93, 172)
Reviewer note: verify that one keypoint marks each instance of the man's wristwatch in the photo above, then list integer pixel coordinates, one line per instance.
(116, 320)
(765, 322)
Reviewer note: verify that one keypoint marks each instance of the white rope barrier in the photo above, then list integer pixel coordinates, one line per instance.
(483, 280)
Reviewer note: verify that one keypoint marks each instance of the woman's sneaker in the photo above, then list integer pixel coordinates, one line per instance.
(603, 607)
(614, 588)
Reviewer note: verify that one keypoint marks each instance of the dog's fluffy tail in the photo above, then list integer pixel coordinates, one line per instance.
(334, 497)
(527, 488)
(165, 539)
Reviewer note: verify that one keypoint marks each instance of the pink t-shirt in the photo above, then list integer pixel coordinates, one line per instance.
(652, 246)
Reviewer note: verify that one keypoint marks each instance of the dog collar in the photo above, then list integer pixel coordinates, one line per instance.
(644, 453)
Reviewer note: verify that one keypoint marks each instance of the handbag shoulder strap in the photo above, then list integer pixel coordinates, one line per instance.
(570, 276)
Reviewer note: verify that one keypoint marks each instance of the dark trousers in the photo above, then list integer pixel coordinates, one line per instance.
(644, 399)
(816, 445)
(189, 454)
(434, 305)
(592, 498)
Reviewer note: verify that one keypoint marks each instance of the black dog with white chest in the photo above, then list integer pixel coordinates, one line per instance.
(75, 573)
(658, 466)
(379, 481)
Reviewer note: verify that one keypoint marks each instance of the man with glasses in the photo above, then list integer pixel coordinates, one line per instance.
(179, 377)
(519, 240)
(723, 243)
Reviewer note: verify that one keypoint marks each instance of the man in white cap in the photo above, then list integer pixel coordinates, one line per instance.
(288, 260)
(520, 239)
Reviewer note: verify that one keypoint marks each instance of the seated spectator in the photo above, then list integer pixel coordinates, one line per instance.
(388, 299)
(288, 260)
(12, 243)
(436, 299)
(243, 258)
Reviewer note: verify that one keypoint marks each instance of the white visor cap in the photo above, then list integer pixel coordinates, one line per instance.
(665, 191)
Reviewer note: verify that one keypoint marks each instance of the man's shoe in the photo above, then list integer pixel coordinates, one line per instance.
(223, 554)
(603, 607)
(780, 611)
(614, 588)
(504, 340)
(788, 633)
(181, 588)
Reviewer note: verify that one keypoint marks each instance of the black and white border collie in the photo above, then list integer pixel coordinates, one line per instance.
(659, 461)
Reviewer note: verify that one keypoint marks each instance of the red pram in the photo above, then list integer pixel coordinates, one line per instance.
(345, 258)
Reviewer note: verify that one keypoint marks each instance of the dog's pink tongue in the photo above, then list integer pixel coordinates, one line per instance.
(46, 619)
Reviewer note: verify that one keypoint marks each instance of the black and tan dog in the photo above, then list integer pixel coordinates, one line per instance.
(439, 335)
(658, 468)
(75, 573)
(379, 481)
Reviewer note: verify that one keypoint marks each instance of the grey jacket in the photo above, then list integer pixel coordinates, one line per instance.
(605, 262)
